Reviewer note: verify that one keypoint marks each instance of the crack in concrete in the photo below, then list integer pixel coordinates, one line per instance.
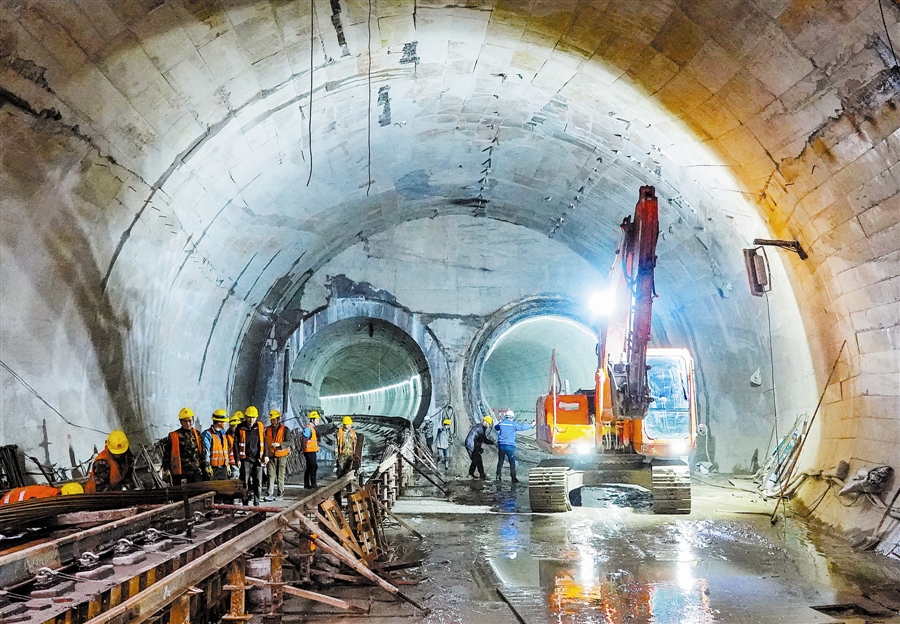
(215, 322)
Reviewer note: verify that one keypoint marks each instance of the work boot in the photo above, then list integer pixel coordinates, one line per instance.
(514, 480)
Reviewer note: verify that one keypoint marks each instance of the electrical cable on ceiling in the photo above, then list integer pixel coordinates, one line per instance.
(369, 109)
(44, 401)
(312, 42)
(887, 34)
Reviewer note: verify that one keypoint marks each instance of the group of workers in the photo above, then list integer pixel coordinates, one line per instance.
(479, 435)
(240, 447)
(236, 447)
(245, 448)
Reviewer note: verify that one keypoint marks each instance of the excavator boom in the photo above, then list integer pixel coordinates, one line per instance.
(623, 348)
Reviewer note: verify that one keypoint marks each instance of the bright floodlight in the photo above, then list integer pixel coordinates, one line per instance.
(600, 303)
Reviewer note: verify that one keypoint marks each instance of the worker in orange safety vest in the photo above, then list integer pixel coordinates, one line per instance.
(277, 451)
(28, 492)
(111, 470)
(183, 452)
(218, 447)
(310, 450)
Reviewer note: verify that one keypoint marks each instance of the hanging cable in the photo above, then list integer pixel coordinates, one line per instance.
(771, 355)
(887, 34)
(369, 109)
(44, 401)
(312, 43)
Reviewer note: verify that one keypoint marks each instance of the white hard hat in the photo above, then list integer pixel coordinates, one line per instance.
(510, 414)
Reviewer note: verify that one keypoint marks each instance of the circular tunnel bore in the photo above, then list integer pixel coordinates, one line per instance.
(361, 366)
(516, 369)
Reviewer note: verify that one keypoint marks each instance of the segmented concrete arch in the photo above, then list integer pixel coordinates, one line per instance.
(501, 321)
(426, 350)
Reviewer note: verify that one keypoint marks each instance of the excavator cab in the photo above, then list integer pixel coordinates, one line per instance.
(670, 425)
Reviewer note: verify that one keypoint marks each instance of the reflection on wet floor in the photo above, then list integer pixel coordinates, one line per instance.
(613, 562)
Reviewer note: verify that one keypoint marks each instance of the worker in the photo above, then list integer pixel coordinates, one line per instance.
(183, 453)
(310, 449)
(277, 451)
(236, 419)
(344, 452)
(112, 468)
(479, 434)
(442, 441)
(28, 492)
(345, 449)
(218, 449)
(506, 442)
(251, 450)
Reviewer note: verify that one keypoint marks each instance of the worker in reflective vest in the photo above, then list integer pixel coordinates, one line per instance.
(236, 419)
(19, 494)
(252, 452)
(218, 447)
(183, 452)
(111, 470)
(277, 452)
(310, 449)
(346, 446)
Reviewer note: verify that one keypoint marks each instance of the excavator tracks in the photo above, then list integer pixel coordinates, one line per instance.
(549, 487)
(671, 490)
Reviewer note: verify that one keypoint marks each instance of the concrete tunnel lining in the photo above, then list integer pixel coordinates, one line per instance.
(154, 175)
(318, 341)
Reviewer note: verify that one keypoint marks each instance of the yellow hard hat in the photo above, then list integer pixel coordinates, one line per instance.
(220, 415)
(237, 418)
(185, 413)
(346, 420)
(488, 420)
(72, 488)
(447, 421)
(117, 442)
(274, 414)
(314, 414)
(251, 412)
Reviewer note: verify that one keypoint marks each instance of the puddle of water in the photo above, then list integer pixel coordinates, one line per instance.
(583, 591)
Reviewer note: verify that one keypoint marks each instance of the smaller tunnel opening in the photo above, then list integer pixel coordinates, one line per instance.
(516, 369)
(361, 367)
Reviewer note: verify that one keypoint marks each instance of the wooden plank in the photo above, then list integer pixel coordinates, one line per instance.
(145, 604)
(329, 545)
(309, 595)
(95, 517)
(349, 543)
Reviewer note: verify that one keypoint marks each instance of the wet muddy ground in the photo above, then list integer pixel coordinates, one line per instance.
(488, 559)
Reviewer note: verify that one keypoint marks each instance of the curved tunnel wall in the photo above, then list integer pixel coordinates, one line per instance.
(516, 371)
(157, 228)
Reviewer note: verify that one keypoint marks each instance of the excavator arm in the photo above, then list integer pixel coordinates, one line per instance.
(623, 347)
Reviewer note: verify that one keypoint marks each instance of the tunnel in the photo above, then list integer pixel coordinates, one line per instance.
(517, 369)
(403, 207)
(362, 366)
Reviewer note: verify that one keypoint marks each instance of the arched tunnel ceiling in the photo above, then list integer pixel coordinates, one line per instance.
(174, 172)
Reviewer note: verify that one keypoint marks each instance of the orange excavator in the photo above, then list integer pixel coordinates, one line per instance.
(639, 423)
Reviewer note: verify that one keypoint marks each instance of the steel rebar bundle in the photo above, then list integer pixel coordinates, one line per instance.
(36, 513)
